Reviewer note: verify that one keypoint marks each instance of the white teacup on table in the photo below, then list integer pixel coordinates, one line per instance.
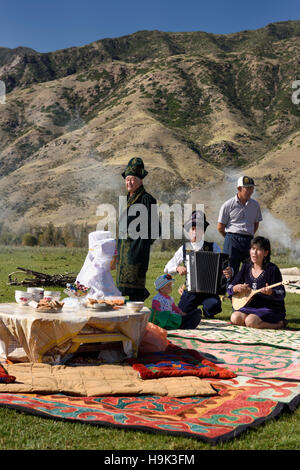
(22, 297)
(51, 295)
(37, 293)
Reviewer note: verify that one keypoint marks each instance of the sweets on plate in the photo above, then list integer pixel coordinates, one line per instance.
(49, 306)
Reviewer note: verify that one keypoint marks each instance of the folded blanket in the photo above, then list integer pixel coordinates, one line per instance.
(105, 379)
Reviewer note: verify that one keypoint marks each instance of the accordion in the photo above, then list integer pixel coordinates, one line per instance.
(205, 272)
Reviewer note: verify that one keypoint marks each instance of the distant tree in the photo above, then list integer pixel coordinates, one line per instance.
(59, 237)
(83, 236)
(29, 240)
(47, 238)
(69, 235)
(7, 238)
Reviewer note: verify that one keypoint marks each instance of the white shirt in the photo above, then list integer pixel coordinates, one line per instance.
(177, 259)
(238, 217)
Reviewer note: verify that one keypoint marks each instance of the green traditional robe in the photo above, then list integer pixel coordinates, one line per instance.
(133, 255)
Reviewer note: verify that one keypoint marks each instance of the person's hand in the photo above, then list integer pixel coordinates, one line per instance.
(241, 289)
(183, 314)
(266, 290)
(228, 272)
(181, 289)
(181, 270)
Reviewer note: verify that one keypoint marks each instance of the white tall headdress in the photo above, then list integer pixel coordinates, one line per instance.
(95, 272)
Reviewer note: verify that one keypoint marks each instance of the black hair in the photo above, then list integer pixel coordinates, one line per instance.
(263, 243)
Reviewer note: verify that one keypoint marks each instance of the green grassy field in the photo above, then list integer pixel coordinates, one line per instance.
(21, 431)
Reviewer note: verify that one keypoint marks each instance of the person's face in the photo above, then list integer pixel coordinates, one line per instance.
(246, 192)
(257, 254)
(167, 289)
(132, 183)
(196, 234)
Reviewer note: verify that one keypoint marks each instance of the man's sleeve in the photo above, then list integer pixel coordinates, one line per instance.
(171, 265)
(223, 215)
(259, 215)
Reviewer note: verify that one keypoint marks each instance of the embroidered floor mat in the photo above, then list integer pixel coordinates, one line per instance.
(241, 403)
(178, 362)
(242, 350)
(219, 331)
(256, 361)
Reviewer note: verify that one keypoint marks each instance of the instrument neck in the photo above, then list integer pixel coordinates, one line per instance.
(270, 287)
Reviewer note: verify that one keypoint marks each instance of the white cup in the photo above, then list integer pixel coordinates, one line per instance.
(51, 295)
(22, 297)
(37, 293)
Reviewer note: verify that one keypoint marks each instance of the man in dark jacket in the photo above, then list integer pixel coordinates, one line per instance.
(134, 252)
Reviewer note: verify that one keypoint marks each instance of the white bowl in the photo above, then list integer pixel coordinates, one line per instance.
(22, 297)
(134, 306)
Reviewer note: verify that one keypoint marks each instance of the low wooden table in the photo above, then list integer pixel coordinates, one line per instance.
(26, 334)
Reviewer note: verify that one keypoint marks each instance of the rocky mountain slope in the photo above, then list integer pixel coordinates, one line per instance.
(196, 106)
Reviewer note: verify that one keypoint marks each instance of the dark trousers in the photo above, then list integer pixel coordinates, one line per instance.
(237, 246)
(190, 301)
(191, 320)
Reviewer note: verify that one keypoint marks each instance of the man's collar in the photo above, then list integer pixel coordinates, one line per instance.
(197, 245)
(239, 201)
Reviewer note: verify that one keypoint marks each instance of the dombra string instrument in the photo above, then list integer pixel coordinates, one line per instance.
(240, 300)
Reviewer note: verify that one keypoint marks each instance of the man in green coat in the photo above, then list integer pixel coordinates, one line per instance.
(134, 253)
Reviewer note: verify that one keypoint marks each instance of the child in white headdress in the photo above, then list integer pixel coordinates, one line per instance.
(95, 272)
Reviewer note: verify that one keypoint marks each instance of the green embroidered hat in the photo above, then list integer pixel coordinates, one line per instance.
(135, 167)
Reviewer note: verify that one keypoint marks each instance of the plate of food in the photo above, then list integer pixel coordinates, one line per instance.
(49, 306)
(114, 302)
(97, 304)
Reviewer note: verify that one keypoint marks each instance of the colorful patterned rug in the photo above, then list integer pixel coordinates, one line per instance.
(267, 383)
(240, 405)
(251, 360)
(242, 350)
(177, 362)
(219, 331)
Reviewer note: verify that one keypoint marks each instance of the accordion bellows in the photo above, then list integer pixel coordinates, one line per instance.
(205, 272)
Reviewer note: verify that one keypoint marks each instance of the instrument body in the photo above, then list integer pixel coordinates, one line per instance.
(240, 300)
(205, 272)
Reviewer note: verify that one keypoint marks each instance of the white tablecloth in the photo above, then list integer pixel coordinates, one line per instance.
(28, 335)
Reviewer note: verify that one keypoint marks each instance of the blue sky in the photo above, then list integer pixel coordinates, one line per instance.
(48, 25)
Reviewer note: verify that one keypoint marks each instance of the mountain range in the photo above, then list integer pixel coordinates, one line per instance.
(199, 108)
